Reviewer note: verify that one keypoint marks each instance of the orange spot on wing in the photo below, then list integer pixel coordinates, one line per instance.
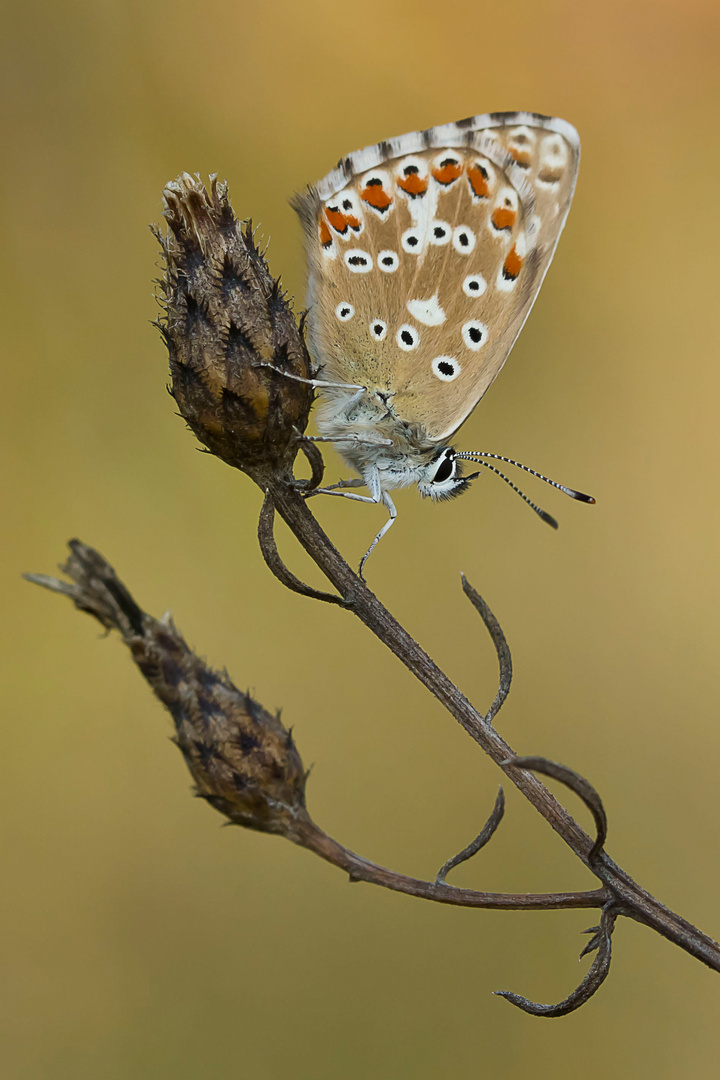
(412, 184)
(375, 196)
(352, 221)
(513, 264)
(521, 157)
(337, 219)
(325, 234)
(478, 179)
(447, 171)
(503, 217)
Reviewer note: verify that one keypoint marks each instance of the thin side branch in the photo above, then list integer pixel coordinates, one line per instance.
(271, 555)
(501, 647)
(316, 462)
(596, 976)
(582, 788)
(486, 834)
(359, 869)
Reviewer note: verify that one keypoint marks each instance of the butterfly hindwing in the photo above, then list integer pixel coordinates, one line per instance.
(426, 254)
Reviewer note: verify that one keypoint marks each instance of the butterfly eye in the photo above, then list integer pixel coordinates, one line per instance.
(359, 262)
(411, 241)
(446, 368)
(407, 337)
(388, 261)
(474, 285)
(378, 329)
(474, 334)
(463, 240)
(445, 470)
(344, 312)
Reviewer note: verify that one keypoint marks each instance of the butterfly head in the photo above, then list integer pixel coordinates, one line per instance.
(442, 478)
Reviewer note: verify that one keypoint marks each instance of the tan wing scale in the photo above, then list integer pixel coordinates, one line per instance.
(426, 254)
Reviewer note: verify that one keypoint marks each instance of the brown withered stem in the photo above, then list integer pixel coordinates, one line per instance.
(237, 362)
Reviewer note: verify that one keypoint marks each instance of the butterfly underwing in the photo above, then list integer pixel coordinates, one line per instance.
(426, 253)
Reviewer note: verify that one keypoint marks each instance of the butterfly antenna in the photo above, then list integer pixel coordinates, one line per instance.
(538, 509)
(476, 455)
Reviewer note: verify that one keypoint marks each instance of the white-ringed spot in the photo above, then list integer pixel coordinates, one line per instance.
(358, 261)
(407, 337)
(411, 241)
(344, 311)
(440, 233)
(474, 334)
(388, 261)
(463, 240)
(446, 368)
(378, 329)
(474, 285)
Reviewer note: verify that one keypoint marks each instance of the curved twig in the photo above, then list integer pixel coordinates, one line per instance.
(479, 842)
(592, 982)
(499, 641)
(580, 786)
(317, 465)
(271, 555)
(309, 835)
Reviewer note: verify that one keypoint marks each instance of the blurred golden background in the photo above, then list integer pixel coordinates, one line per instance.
(142, 940)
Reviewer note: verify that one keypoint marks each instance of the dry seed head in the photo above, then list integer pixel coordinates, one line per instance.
(243, 760)
(223, 314)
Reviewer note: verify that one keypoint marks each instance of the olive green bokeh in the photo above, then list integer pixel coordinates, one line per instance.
(141, 940)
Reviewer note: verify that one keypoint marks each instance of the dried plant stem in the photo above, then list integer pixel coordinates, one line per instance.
(636, 902)
(310, 836)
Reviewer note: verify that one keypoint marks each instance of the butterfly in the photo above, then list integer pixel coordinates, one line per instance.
(426, 253)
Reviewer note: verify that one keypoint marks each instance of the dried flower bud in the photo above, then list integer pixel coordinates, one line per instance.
(223, 315)
(242, 759)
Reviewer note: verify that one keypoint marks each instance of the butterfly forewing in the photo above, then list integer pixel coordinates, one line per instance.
(426, 254)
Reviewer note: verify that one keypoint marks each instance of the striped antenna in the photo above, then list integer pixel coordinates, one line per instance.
(477, 455)
(542, 514)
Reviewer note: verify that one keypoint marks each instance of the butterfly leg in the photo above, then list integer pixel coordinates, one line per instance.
(387, 501)
(344, 494)
(356, 439)
(311, 382)
(372, 480)
(331, 489)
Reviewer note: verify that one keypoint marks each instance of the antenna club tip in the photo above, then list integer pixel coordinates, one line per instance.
(548, 519)
(579, 495)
